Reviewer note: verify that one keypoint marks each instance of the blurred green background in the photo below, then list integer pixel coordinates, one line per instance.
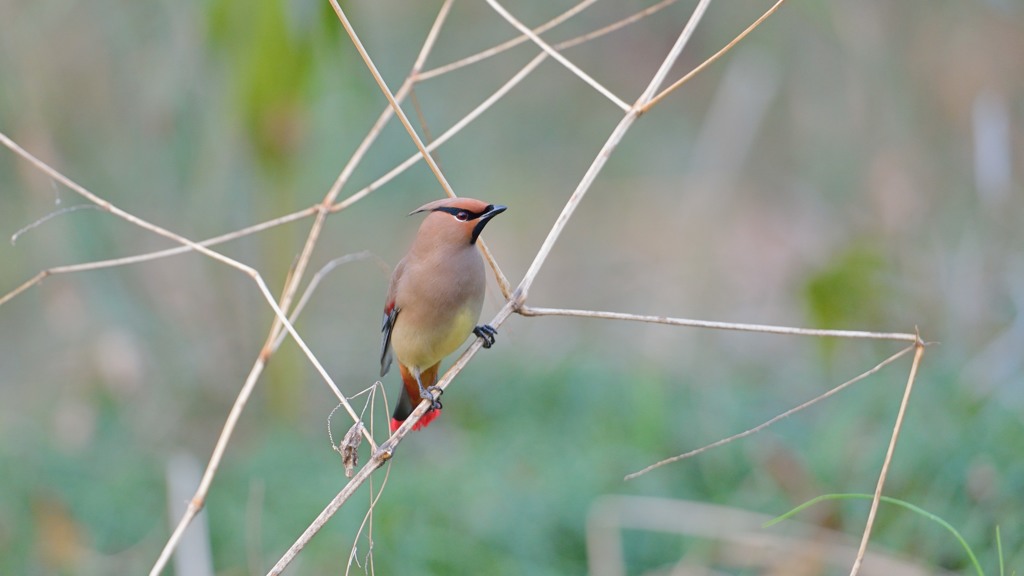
(853, 164)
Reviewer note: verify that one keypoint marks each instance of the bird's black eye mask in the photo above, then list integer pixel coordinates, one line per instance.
(464, 215)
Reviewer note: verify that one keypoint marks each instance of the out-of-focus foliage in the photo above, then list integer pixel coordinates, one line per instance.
(853, 164)
(269, 55)
(847, 291)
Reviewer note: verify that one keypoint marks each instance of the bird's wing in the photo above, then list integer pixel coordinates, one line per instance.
(390, 315)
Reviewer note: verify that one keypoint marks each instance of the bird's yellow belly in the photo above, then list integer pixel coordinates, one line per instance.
(421, 349)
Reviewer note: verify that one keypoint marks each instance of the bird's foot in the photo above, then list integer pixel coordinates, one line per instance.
(433, 394)
(487, 332)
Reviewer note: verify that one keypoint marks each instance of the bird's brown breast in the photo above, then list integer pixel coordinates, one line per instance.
(440, 297)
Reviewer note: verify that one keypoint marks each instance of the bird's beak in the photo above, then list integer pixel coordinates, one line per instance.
(484, 219)
(494, 211)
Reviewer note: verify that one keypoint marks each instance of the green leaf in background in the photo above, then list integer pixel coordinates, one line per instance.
(269, 63)
(847, 292)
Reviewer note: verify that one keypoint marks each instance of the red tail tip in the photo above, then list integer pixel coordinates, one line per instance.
(423, 423)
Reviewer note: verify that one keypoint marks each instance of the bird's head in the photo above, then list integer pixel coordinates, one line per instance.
(457, 220)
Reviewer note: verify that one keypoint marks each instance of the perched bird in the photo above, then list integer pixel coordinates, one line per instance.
(434, 300)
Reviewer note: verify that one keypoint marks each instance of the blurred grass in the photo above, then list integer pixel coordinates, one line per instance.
(856, 206)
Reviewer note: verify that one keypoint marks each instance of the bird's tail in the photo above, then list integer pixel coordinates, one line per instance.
(410, 390)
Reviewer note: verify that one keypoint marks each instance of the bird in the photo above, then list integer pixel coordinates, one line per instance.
(434, 300)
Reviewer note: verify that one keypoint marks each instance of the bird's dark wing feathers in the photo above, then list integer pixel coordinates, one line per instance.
(390, 314)
(385, 341)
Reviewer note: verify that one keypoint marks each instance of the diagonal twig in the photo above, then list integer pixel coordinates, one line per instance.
(700, 68)
(522, 291)
(774, 419)
(148, 256)
(884, 472)
(523, 29)
(382, 85)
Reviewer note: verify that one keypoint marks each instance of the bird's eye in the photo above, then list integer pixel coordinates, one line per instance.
(462, 216)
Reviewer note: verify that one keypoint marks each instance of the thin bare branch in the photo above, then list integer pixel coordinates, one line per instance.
(557, 55)
(713, 58)
(773, 420)
(522, 291)
(38, 278)
(421, 118)
(673, 55)
(384, 117)
(343, 18)
(583, 38)
(764, 328)
(54, 214)
(428, 44)
(503, 284)
(918, 353)
(146, 257)
(199, 499)
(495, 50)
(108, 207)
